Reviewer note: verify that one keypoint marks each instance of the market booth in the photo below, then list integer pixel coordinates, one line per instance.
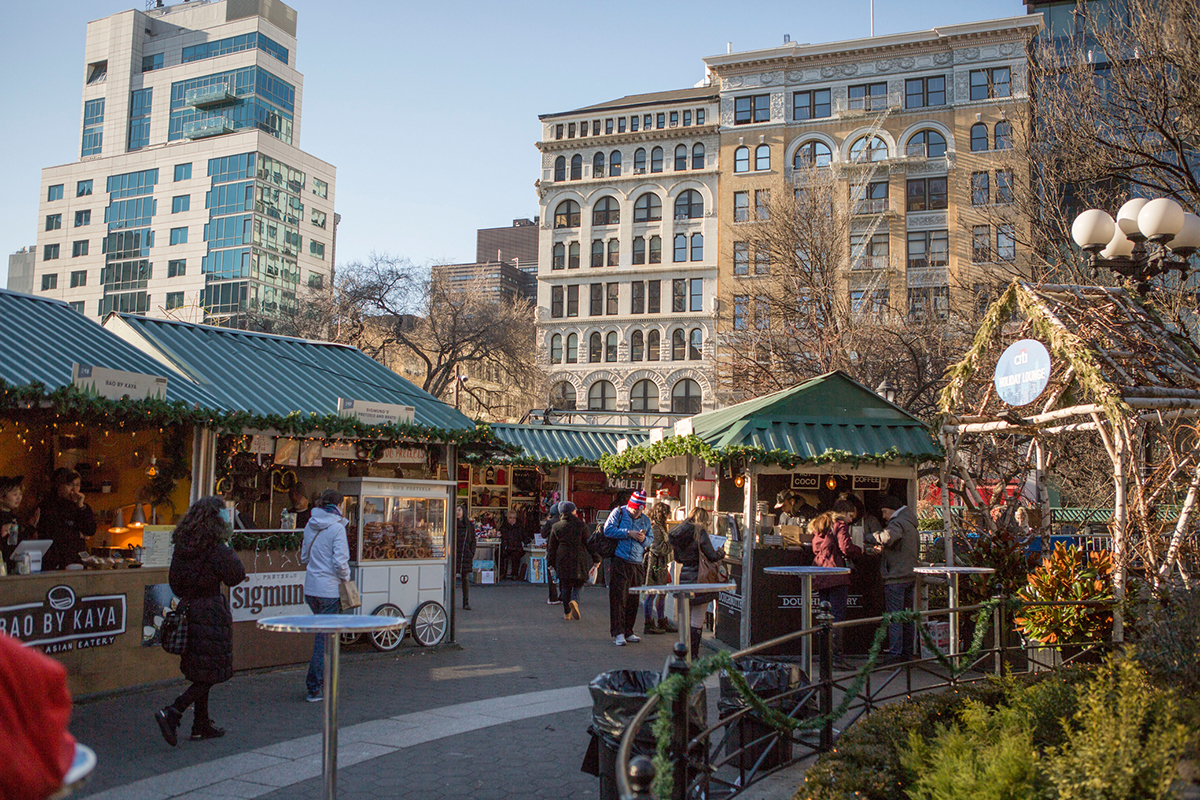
(74, 395)
(818, 439)
(317, 416)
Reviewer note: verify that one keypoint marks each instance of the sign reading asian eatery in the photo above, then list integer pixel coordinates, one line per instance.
(65, 621)
(113, 384)
(373, 413)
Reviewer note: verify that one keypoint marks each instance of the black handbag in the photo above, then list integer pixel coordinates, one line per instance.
(174, 630)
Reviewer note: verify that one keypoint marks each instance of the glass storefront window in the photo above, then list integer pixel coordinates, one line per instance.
(397, 528)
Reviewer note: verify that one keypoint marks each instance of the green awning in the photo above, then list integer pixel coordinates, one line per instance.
(551, 445)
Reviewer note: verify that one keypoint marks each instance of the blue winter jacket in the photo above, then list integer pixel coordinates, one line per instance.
(619, 525)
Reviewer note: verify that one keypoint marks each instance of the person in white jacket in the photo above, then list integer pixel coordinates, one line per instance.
(326, 557)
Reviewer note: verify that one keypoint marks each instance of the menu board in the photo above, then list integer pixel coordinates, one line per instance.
(397, 528)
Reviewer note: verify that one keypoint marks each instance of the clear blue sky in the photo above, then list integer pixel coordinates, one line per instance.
(429, 109)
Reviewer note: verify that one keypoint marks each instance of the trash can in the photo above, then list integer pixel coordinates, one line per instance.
(617, 697)
(768, 679)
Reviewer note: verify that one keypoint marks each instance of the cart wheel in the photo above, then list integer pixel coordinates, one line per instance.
(389, 640)
(348, 639)
(429, 623)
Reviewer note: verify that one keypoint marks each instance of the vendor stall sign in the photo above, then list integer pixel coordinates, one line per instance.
(806, 480)
(65, 621)
(403, 455)
(114, 384)
(373, 413)
(268, 594)
(622, 483)
(1022, 372)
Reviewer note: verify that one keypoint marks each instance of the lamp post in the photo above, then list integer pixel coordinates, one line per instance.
(459, 380)
(886, 390)
(1148, 238)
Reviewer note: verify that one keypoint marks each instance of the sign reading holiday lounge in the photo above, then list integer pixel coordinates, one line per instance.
(65, 621)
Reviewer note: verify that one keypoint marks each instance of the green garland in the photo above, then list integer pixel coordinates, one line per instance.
(682, 685)
(289, 540)
(692, 445)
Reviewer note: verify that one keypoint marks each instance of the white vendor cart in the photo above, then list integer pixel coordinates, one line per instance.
(398, 546)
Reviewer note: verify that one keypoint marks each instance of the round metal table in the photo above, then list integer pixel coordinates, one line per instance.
(806, 575)
(683, 610)
(331, 626)
(952, 573)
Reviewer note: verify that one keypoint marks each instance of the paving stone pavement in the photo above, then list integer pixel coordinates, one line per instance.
(503, 713)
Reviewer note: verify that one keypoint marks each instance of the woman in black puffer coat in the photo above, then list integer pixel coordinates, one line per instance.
(688, 539)
(200, 564)
(568, 552)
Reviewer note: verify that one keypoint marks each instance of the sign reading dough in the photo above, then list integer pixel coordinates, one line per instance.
(114, 384)
(64, 621)
(373, 413)
(268, 594)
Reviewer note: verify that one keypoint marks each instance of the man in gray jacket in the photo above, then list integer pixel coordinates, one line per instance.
(899, 545)
(326, 555)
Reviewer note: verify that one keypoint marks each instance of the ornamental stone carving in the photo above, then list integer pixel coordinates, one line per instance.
(777, 111)
(969, 54)
(929, 166)
(941, 59)
(770, 78)
(846, 70)
(1007, 49)
(734, 82)
(889, 64)
(960, 86)
(795, 76)
(926, 221)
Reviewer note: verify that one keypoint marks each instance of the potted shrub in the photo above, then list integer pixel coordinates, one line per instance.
(1066, 575)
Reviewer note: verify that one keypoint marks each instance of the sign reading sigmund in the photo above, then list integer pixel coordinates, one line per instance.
(268, 594)
(65, 621)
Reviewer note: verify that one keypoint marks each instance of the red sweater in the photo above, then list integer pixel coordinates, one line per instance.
(830, 549)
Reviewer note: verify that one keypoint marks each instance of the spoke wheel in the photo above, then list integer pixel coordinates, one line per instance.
(430, 623)
(388, 640)
(348, 639)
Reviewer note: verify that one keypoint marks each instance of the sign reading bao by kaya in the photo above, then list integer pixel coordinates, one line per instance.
(1022, 372)
(65, 621)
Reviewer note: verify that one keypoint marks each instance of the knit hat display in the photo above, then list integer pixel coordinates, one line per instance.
(637, 501)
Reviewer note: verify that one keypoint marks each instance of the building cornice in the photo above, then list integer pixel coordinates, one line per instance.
(606, 139)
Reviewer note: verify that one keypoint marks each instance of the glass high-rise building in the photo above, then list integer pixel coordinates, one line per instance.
(190, 196)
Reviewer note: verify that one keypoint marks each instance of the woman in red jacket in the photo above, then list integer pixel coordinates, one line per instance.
(832, 545)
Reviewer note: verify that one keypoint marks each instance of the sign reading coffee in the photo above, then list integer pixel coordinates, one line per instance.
(268, 594)
(64, 621)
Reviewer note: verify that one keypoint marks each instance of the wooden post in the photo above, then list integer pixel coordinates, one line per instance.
(750, 492)
(1120, 525)
(1181, 526)
(947, 526)
(1043, 495)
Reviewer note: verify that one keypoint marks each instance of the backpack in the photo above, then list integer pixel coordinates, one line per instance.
(604, 546)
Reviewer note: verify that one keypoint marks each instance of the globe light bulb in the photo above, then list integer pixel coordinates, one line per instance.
(1160, 219)
(1127, 216)
(1093, 229)
(1118, 247)
(1187, 241)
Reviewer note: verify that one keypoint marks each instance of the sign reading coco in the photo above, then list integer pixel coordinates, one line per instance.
(1022, 372)
(64, 621)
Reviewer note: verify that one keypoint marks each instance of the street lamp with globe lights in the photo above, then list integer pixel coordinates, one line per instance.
(1148, 238)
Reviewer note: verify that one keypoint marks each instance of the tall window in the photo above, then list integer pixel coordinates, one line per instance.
(556, 349)
(602, 397)
(741, 312)
(741, 206)
(752, 108)
(93, 127)
(596, 304)
(741, 159)
(562, 397)
(678, 295)
(981, 189)
(556, 301)
(614, 163)
(762, 313)
(868, 97)
(689, 205)
(681, 157)
(597, 252)
(639, 161)
(987, 84)
(695, 344)
(762, 204)
(566, 215)
(697, 247)
(559, 256)
(1003, 135)
(610, 346)
(573, 255)
(678, 345)
(595, 348)
(656, 160)
(762, 261)
(1004, 188)
(598, 165)
(139, 118)
(924, 92)
(614, 252)
(573, 301)
(928, 249)
(681, 248)
(698, 156)
(873, 149)
(652, 340)
(612, 298)
(813, 104)
(926, 144)
(560, 169)
(981, 241)
(1006, 243)
(637, 346)
(644, 396)
(979, 137)
(647, 208)
(639, 250)
(655, 249)
(653, 297)
(741, 258)
(762, 157)
(606, 211)
(572, 348)
(576, 167)
(685, 397)
(695, 294)
(927, 194)
(812, 154)
(637, 297)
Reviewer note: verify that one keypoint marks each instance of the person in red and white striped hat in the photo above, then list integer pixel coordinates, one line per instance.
(631, 528)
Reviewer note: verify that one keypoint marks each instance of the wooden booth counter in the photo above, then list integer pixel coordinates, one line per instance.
(274, 588)
(101, 624)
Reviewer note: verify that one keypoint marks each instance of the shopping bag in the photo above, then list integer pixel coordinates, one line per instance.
(349, 596)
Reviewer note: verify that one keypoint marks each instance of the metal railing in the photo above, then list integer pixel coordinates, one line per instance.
(722, 760)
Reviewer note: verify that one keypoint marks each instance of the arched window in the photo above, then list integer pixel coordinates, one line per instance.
(572, 348)
(741, 159)
(680, 157)
(637, 346)
(762, 157)
(639, 161)
(678, 345)
(598, 165)
(614, 163)
(562, 397)
(647, 208)
(560, 169)
(656, 160)
(606, 211)
(644, 396)
(1003, 135)
(698, 156)
(812, 154)
(556, 349)
(560, 256)
(566, 215)
(695, 344)
(874, 149)
(610, 347)
(689, 205)
(602, 397)
(614, 253)
(926, 144)
(685, 397)
(576, 167)
(979, 137)
(595, 348)
(697, 247)
(652, 346)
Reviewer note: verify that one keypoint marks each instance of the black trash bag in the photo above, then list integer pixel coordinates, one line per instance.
(766, 679)
(617, 696)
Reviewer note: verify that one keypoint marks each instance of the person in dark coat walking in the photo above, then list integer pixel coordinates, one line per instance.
(464, 551)
(66, 519)
(688, 539)
(568, 551)
(552, 597)
(200, 564)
